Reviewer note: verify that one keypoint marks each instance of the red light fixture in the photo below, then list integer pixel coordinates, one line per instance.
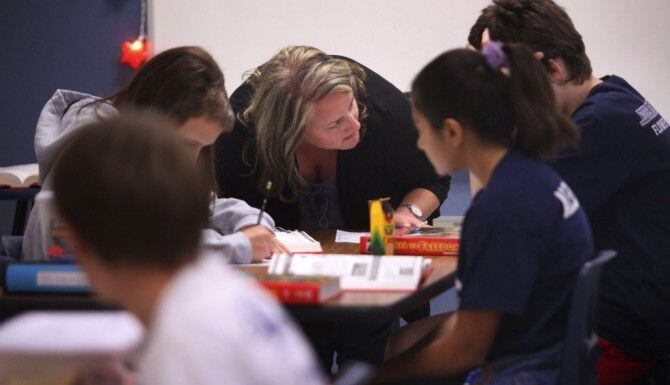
(137, 51)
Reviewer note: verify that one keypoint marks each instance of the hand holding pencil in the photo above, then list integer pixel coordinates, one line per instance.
(263, 243)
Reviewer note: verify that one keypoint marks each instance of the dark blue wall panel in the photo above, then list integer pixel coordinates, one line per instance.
(73, 44)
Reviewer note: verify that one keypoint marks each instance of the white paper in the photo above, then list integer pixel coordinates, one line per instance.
(265, 262)
(342, 236)
(298, 242)
(356, 272)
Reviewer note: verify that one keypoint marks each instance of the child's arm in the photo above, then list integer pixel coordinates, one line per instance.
(462, 342)
(235, 231)
(230, 215)
(236, 248)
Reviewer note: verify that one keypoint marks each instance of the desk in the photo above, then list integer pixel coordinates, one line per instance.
(373, 305)
(347, 306)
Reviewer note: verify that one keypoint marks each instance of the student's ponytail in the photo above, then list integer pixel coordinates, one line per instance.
(540, 129)
(502, 93)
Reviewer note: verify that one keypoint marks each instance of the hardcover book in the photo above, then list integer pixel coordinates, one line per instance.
(437, 241)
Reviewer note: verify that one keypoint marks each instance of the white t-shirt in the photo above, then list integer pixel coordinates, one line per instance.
(214, 326)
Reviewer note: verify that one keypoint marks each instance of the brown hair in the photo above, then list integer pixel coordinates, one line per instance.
(515, 110)
(130, 190)
(182, 83)
(540, 24)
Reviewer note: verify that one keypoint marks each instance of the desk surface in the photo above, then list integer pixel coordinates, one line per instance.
(377, 305)
(348, 305)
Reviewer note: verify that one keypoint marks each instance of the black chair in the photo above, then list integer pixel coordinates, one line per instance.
(580, 353)
(355, 373)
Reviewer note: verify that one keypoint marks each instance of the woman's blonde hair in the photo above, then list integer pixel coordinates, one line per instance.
(285, 90)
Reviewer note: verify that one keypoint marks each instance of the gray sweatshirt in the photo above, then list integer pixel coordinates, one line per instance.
(55, 125)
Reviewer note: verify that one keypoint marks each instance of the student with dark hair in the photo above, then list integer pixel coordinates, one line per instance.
(620, 172)
(330, 134)
(186, 84)
(524, 237)
(206, 323)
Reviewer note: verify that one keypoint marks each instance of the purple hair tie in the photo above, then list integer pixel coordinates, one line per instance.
(495, 55)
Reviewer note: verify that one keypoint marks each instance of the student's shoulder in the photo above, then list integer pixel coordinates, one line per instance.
(216, 306)
(74, 107)
(519, 174)
(521, 186)
(611, 104)
(205, 284)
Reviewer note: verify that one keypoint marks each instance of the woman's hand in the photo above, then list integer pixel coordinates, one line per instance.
(403, 217)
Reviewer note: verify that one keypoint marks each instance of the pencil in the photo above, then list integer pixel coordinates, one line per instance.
(268, 187)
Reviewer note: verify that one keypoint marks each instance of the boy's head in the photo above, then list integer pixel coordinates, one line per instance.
(131, 195)
(543, 26)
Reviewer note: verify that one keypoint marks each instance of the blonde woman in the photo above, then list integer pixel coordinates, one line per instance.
(330, 134)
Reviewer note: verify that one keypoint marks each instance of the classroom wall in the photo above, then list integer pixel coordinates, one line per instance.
(397, 37)
(46, 45)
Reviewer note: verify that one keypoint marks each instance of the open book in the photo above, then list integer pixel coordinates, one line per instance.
(23, 175)
(297, 241)
(356, 272)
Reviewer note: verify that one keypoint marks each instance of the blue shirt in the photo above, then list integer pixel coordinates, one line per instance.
(320, 209)
(621, 175)
(524, 240)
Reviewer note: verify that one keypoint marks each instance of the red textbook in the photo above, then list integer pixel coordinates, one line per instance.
(303, 290)
(437, 241)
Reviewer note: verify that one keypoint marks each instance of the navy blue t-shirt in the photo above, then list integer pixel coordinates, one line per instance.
(524, 240)
(621, 175)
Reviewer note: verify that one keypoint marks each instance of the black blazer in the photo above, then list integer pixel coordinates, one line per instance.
(385, 163)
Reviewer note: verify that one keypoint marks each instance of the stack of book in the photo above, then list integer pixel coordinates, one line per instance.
(300, 290)
(315, 278)
(437, 241)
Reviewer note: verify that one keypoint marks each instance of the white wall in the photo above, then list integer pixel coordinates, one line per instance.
(397, 37)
